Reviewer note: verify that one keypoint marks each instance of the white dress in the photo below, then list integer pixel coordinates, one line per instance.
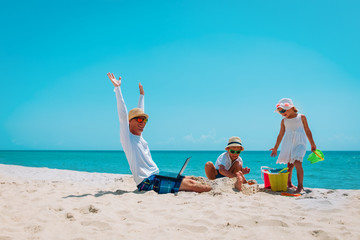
(293, 146)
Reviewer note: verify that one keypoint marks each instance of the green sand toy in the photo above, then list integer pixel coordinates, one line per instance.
(316, 156)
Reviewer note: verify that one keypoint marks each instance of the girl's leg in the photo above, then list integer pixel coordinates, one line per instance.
(290, 169)
(300, 176)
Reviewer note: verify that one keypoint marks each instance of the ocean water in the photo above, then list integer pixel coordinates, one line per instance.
(340, 170)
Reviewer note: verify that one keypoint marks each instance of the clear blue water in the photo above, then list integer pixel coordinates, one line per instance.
(340, 170)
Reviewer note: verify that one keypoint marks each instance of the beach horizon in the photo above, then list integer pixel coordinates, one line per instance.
(115, 162)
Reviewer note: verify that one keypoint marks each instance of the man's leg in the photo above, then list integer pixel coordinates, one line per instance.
(191, 185)
(210, 170)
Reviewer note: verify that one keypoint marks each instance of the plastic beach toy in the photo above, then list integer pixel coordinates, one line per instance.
(316, 156)
(278, 170)
(276, 179)
(290, 194)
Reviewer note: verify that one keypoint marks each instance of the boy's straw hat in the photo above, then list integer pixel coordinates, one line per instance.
(234, 142)
(285, 103)
(137, 112)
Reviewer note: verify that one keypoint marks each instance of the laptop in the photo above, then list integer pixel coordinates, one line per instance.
(172, 175)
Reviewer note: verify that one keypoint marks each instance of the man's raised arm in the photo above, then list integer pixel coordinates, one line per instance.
(122, 111)
(141, 98)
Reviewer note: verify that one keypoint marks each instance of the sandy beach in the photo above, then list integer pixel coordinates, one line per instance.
(41, 203)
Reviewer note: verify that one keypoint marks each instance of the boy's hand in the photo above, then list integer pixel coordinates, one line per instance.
(246, 170)
(273, 152)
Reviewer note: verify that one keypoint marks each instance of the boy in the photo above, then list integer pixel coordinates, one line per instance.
(229, 164)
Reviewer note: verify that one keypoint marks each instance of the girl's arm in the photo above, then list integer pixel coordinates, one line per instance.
(308, 133)
(278, 141)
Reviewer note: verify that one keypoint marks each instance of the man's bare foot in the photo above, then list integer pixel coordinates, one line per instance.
(291, 186)
(239, 181)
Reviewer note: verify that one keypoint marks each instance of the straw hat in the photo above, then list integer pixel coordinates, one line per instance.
(234, 142)
(137, 112)
(286, 104)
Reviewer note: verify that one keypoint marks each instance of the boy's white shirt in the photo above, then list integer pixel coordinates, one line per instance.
(224, 159)
(135, 147)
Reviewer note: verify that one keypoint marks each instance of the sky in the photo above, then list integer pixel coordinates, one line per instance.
(210, 70)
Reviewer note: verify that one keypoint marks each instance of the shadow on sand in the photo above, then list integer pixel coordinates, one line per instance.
(103, 193)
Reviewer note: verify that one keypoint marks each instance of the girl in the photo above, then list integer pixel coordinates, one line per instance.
(293, 148)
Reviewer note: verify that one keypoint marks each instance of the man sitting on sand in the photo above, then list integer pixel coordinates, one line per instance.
(143, 168)
(229, 164)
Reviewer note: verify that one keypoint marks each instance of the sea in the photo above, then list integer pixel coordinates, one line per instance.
(339, 170)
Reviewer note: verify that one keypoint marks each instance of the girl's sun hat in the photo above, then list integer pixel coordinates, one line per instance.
(286, 104)
(234, 142)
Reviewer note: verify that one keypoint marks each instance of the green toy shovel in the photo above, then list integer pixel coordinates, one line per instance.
(316, 156)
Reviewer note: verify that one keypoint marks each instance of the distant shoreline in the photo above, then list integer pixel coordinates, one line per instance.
(316, 175)
(34, 173)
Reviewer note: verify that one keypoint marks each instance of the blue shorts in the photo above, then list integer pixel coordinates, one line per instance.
(219, 175)
(160, 185)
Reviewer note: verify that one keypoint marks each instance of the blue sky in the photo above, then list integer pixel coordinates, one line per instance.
(210, 70)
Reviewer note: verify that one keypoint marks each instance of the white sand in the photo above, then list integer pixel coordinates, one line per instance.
(40, 203)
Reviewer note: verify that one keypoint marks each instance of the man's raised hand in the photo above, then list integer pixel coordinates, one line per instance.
(141, 89)
(115, 82)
